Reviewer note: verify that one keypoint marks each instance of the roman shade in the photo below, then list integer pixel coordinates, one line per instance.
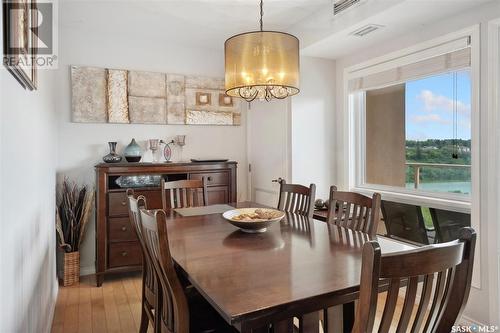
(457, 56)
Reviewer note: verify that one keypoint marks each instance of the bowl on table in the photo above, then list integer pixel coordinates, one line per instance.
(253, 220)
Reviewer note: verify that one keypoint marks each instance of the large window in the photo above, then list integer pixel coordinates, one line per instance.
(412, 122)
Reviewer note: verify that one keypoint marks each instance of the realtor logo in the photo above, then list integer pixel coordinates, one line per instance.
(30, 38)
(474, 328)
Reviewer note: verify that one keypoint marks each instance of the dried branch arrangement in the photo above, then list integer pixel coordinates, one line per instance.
(74, 203)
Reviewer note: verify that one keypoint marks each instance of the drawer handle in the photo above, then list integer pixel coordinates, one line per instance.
(124, 228)
(124, 253)
(124, 203)
(209, 178)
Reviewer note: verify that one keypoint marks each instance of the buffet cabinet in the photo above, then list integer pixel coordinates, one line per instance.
(117, 247)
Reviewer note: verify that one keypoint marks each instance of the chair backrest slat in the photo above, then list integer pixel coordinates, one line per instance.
(184, 193)
(445, 272)
(297, 199)
(354, 211)
(390, 305)
(409, 303)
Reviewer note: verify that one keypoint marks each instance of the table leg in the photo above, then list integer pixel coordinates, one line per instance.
(309, 323)
(348, 316)
(99, 279)
(333, 319)
(284, 326)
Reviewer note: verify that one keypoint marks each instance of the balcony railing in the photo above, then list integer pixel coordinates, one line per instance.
(417, 166)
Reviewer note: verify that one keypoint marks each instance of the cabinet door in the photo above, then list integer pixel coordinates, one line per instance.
(217, 195)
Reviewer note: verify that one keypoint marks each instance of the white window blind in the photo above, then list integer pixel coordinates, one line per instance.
(446, 62)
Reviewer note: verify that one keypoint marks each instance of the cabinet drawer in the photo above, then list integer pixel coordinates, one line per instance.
(124, 254)
(212, 178)
(120, 229)
(118, 205)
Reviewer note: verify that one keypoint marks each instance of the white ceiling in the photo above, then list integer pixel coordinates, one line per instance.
(208, 23)
(203, 23)
(398, 19)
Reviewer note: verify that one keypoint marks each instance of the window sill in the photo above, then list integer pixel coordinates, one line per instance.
(447, 201)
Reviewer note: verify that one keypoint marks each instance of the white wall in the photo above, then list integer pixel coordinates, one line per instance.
(28, 284)
(312, 130)
(82, 145)
(483, 304)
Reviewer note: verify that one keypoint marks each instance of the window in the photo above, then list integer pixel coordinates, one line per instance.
(418, 134)
(412, 123)
(429, 67)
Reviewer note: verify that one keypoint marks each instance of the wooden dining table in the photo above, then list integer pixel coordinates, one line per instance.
(297, 268)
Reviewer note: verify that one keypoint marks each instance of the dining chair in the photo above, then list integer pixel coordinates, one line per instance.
(184, 193)
(182, 310)
(445, 271)
(448, 223)
(149, 280)
(404, 222)
(354, 211)
(297, 199)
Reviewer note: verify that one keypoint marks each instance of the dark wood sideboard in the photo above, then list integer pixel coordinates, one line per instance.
(117, 247)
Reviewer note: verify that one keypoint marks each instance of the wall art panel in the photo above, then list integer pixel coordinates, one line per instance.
(123, 96)
(117, 96)
(176, 88)
(146, 110)
(88, 91)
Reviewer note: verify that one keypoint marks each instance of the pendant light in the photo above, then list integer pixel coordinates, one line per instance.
(262, 64)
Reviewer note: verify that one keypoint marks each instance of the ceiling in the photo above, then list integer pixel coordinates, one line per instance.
(202, 23)
(208, 23)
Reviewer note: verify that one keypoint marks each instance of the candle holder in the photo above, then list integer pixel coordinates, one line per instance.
(180, 140)
(167, 150)
(153, 146)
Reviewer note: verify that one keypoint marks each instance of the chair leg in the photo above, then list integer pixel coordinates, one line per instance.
(144, 321)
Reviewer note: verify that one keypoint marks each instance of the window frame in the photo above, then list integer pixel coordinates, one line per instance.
(357, 128)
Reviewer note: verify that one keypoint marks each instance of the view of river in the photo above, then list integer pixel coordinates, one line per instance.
(462, 187)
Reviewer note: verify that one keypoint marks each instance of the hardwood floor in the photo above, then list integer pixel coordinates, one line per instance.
(115, 307)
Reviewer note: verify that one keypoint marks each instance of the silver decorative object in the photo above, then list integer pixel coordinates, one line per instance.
(136, 181)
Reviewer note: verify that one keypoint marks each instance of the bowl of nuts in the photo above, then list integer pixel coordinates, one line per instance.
(253, 220)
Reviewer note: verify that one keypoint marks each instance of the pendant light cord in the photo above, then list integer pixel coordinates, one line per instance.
(455, 116)
(261, 14)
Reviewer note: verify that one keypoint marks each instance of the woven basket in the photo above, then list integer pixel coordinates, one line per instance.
(71, 268)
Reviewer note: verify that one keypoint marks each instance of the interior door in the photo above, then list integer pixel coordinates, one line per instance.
(268, 149)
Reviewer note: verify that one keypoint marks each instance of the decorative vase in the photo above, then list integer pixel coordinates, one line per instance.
(71, 268)
(112, 157)
(133, 152)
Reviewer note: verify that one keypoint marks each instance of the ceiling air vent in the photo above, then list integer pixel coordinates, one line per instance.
(341, 5)
(363, 31)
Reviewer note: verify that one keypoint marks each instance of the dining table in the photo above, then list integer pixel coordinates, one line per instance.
(299, 268)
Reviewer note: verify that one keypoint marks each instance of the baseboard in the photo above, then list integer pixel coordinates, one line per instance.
(466, 321)
(88, 270)
(52, 309)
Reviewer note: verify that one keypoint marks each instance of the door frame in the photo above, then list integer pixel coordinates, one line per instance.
(287, 151)
(493, 192)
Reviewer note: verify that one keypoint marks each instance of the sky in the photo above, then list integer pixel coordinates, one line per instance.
(429, 107)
